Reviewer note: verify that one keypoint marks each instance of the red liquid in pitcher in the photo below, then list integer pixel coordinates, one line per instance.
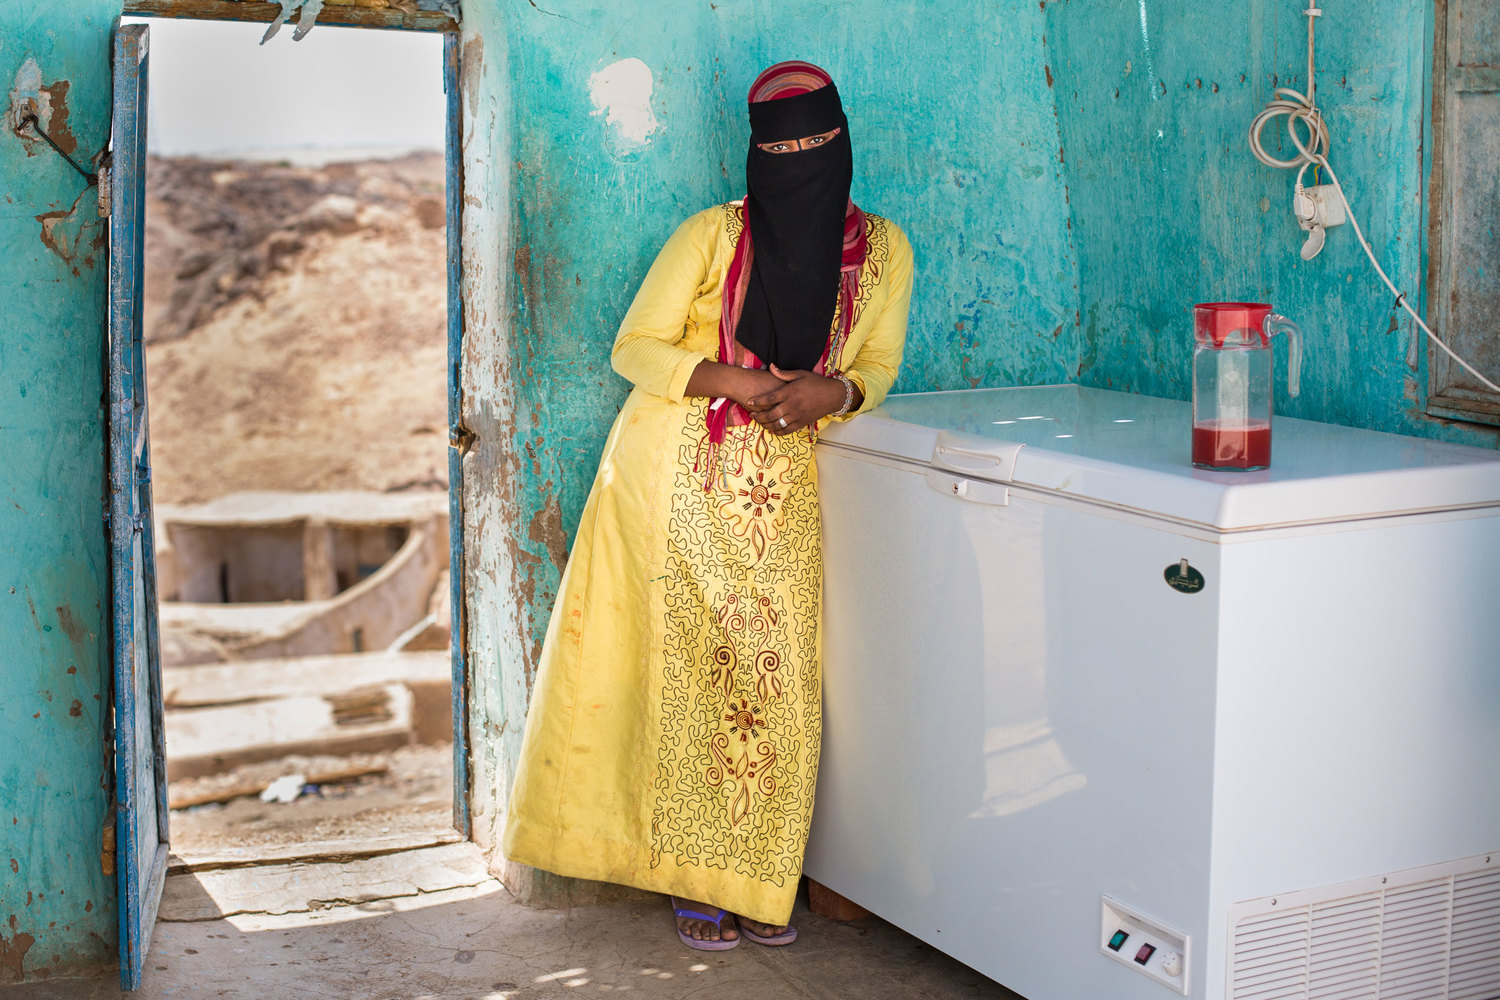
(1232, 446)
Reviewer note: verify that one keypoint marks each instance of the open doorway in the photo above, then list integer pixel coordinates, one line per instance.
(296, 342)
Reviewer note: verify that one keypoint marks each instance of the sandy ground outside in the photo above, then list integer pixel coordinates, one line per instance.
(412, 799)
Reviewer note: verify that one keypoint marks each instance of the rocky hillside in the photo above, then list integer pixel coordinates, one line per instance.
(295, 326)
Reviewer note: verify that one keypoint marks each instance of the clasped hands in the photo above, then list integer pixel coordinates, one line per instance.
(788, 401)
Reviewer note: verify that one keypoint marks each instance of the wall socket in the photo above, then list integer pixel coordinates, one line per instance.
(1320, 205)
(1317, 208)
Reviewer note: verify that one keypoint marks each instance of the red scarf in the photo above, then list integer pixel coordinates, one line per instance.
(725, 413)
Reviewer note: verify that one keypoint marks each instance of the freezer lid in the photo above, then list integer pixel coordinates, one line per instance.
(1132, 451)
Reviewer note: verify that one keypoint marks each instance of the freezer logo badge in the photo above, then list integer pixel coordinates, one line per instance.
(1183, 577)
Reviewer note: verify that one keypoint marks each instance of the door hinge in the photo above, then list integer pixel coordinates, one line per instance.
(461, 438)
(104, 186)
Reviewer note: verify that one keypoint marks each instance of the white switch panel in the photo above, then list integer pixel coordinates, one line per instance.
(1148, 946)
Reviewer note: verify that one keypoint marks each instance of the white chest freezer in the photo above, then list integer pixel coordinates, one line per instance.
(1101, 725)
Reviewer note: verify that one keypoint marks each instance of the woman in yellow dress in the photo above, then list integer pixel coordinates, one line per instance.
(672, 741)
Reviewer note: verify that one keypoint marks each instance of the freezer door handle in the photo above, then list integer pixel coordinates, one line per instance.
(993, 460)
(972, 490)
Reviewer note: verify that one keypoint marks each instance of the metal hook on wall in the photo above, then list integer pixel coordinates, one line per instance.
(35, 124)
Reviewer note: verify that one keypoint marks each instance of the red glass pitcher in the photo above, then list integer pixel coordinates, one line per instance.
(1232, 384)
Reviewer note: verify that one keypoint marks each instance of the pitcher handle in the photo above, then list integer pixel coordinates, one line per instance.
(1276, 323)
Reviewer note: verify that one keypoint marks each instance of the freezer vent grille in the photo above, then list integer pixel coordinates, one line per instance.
(1426, 934)
(1474, 969)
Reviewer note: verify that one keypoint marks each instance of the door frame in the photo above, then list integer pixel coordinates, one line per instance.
(140, 785)
(459, 439)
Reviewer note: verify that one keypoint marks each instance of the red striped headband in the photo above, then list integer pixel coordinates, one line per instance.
(788, 79)
(791, 100)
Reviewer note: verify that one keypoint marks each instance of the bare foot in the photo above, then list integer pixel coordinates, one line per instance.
(767, 930)
(704, 930)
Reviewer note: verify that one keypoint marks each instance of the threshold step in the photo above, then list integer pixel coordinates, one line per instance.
(303, 886)
(324, 851)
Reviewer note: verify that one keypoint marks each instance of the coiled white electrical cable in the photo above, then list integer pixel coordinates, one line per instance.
(1298, 108)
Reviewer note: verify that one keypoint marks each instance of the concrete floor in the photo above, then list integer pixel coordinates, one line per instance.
(476, 943)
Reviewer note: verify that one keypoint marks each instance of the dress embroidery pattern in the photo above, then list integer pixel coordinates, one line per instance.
(746, 766)
(740, 686)
(740, 724)
(752, 491)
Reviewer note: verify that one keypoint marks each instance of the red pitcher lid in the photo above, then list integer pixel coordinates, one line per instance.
(1218, 321)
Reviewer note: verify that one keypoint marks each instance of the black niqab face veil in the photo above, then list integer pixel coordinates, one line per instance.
(796, 207)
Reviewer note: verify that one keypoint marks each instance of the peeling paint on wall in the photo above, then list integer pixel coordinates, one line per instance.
(26, 98)
(47, 103)
(56, 121)
(546, 529)
(13, 952)
(621, 92)
(74, 233)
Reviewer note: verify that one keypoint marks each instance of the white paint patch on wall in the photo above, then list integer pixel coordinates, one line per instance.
(26, 96)
(621, 92)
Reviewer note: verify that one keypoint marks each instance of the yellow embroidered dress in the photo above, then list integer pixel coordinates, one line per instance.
(672, 741)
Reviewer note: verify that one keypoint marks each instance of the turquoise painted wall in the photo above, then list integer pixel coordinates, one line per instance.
(1069, 186)
(952, 123)
(57, 906)
(1154, 100)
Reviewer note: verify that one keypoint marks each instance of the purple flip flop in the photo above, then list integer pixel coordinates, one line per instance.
(774, 941)
(692, 942)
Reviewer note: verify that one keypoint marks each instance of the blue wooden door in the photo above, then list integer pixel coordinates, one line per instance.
(457, 437)
(140, 752)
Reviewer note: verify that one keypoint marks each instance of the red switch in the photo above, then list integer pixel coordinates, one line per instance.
(1144, 955)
